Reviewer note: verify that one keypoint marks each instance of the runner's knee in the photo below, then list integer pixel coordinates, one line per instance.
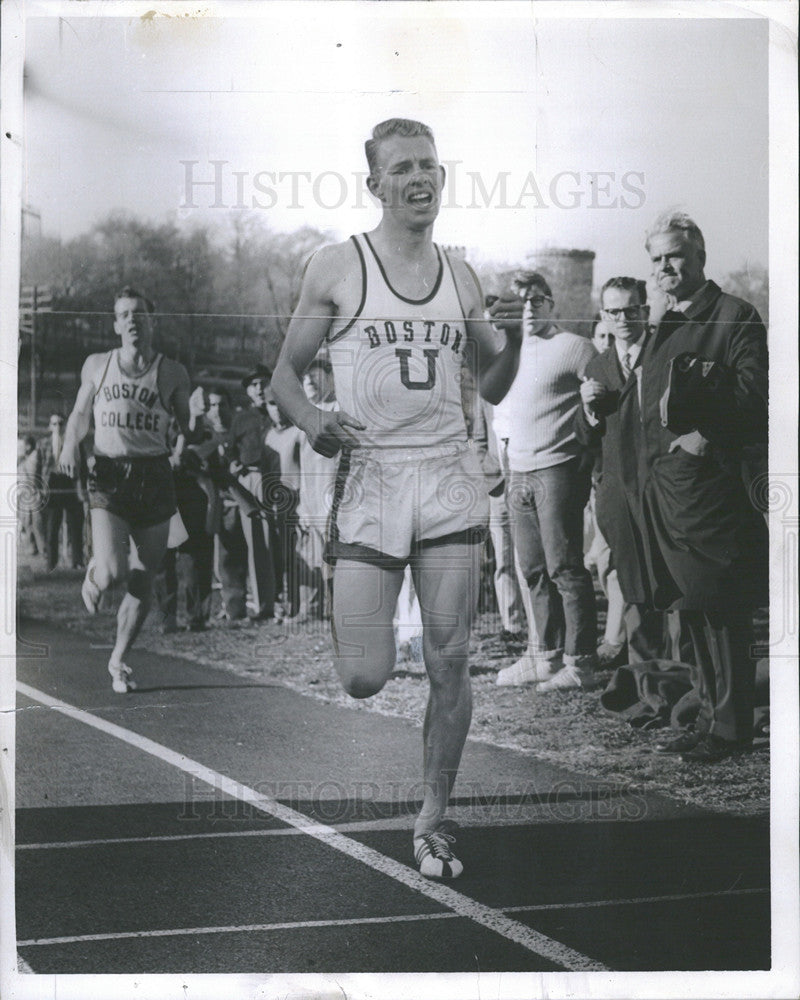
(445, 649)
(361, 685)
(362, 679)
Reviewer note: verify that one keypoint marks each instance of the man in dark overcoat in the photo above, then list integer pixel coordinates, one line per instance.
(703, 400)
(609, 418)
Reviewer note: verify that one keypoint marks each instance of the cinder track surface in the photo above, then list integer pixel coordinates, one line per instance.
(209, 824)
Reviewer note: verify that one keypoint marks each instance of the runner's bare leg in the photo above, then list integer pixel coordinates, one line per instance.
(446, 579)
(364, 602)
(110, 546)
(151, 544)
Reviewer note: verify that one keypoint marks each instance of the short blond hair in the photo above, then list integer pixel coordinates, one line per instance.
(406, 127)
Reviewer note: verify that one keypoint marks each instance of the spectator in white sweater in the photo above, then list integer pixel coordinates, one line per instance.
(549, 487)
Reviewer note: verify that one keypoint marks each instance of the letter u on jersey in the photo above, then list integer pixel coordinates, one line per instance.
(405, 375)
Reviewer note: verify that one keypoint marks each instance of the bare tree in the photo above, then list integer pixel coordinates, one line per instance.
(751, 283)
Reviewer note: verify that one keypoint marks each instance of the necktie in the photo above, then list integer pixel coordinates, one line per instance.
(626, 365)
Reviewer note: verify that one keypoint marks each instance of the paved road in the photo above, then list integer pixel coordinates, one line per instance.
(206, 823)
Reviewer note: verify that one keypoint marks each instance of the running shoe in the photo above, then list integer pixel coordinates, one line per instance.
(434, 857)
(121, 680)
(611, 655)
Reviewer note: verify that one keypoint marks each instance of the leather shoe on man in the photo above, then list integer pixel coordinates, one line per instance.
(712, 749)
(610, 655)
(680, 744)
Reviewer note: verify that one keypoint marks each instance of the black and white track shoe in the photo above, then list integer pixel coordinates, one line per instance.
(434, 855)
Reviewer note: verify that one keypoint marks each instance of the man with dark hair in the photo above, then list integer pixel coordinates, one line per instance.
(29, 471)
(282, 496)
(229, 504)
(609, 417)
(602, 334)
(548, 490)
(317, 478)
(703, 402)
(62, 503)
(253, 464)
(132, 392)
(398, 313)
(598, 553)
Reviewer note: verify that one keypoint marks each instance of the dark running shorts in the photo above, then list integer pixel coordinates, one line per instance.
(139, 490)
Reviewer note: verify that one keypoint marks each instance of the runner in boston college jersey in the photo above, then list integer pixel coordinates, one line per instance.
(130, 418)
(132, 393)
(398, 317)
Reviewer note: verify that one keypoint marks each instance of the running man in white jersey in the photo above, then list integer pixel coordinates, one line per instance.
(398, 315)
(132, 393)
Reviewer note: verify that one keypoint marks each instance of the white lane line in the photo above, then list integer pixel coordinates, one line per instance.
(637, 900)
(348, 922)
(221, 835)
(164, 839)
(242, 929)
(532, 940)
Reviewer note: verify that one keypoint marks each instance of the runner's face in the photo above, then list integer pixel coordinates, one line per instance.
(133, 323)
(409, 179)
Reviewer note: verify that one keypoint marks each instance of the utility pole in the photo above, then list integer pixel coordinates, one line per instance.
(32, 418)
(33, 300)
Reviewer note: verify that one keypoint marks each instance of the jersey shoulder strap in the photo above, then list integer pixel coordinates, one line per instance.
(333, 334)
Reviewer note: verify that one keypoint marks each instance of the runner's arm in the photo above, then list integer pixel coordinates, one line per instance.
(80, 419)
(327, 431)
(496, 351)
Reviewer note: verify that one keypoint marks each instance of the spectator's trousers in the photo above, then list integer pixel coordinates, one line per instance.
(546, 509)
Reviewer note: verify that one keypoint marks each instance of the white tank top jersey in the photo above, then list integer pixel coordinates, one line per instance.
(130, 419)
(397, 362)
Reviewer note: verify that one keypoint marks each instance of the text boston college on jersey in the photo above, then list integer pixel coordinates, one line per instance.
(141, 421)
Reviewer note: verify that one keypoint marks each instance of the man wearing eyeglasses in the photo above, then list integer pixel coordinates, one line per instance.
(610, 416)
(548, 490)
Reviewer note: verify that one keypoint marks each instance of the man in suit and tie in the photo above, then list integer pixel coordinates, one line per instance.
(610, 415)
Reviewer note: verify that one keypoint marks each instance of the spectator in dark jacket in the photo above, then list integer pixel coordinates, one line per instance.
(29, 511)
(610, 416)
(253, 464)
(190, 566)
(703, 543)
(62, 500)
